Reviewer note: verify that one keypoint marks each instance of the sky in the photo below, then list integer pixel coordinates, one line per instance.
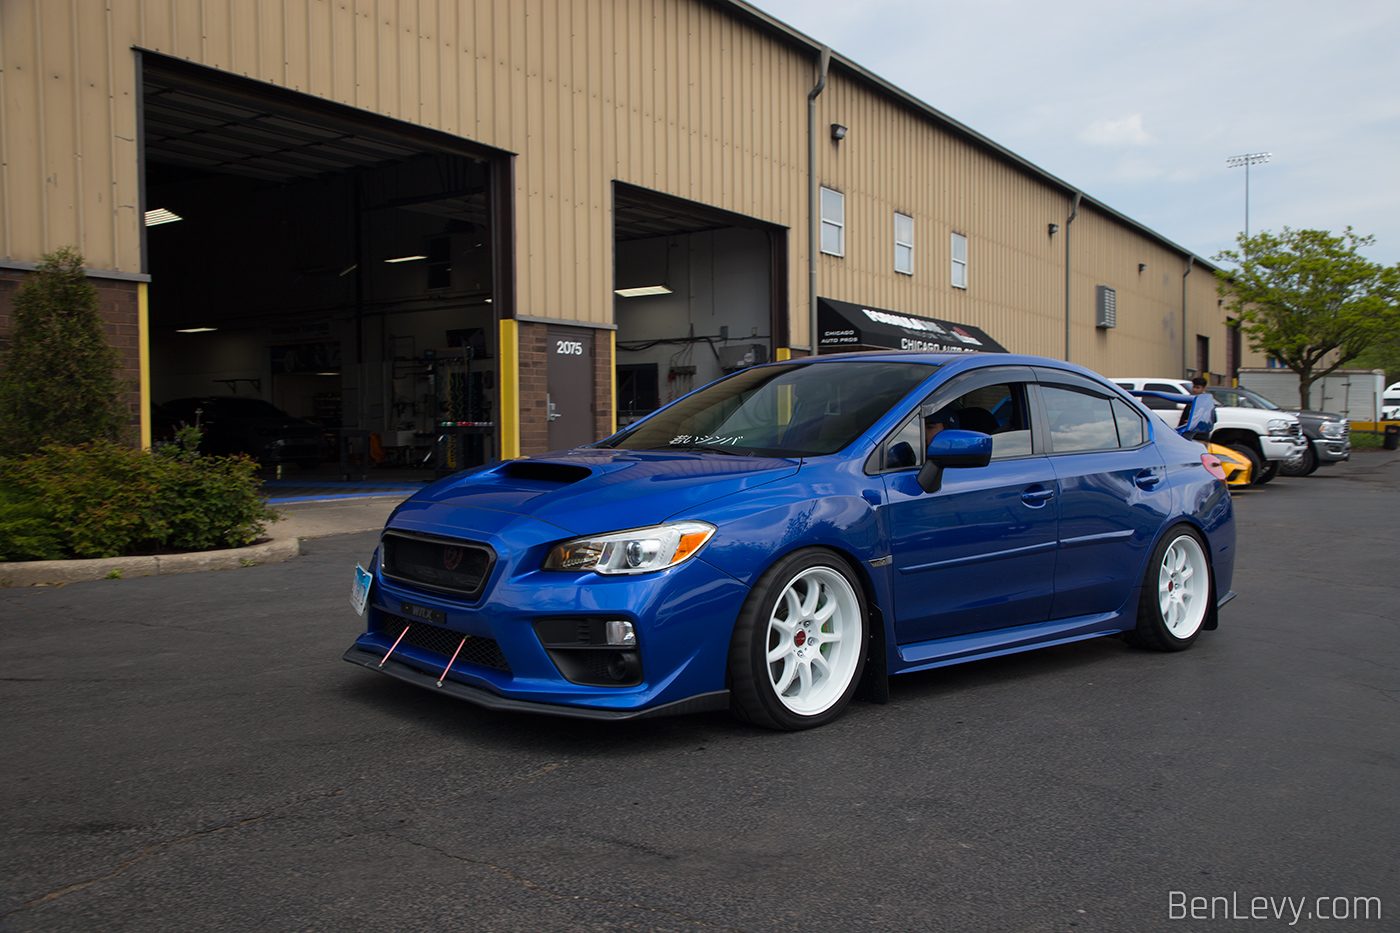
(1139, 105)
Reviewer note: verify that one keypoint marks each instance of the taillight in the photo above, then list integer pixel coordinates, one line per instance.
(1212, 464)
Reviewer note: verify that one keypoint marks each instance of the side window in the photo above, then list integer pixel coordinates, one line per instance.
(1078, 420)
(1132, 432)
(998, 410)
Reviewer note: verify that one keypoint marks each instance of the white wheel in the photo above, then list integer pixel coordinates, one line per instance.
(1183, 587)
(799, 643)
(814, 636)
(1176, 593)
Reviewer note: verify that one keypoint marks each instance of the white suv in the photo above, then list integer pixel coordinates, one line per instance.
(1268, 438)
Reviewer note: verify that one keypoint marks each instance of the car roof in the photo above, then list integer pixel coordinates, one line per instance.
(950, 362)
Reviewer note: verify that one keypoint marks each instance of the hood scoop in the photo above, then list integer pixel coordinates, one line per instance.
(545, 472)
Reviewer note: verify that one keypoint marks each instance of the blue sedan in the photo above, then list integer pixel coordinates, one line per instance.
(776, 540)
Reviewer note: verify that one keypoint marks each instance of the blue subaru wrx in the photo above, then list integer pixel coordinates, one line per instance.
(775, 540)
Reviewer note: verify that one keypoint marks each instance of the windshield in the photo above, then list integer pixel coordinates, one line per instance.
(798, 409)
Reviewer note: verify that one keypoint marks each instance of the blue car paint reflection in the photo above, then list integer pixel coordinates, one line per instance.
(807, 457)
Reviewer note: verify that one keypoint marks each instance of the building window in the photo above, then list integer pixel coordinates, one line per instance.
(903, 243)
(959, 261)
(833, 222)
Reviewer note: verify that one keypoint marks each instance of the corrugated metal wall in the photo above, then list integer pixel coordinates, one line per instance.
(680, 96)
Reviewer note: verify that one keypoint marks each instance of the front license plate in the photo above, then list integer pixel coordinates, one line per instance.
(423, 612)
(359, 589)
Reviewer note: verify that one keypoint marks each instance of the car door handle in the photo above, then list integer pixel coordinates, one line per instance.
(1146, 479)
(1037, 495)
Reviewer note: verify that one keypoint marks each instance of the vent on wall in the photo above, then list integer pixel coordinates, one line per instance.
(1105, 307)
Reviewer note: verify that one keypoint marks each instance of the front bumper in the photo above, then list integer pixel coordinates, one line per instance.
(701, 703)
(1281, 447)
(683, 618)
(1331, 451)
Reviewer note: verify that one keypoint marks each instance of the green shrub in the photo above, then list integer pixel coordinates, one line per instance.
(26, 532)
(105, 500)
(58, 380)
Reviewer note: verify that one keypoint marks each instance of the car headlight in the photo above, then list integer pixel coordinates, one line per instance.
(1334, 429)
(1279, 426)
(641, 550)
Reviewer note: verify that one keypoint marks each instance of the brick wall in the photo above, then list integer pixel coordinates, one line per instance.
(119, 309)
(534, 388)
(602, 384)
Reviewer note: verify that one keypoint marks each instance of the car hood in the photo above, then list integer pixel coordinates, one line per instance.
(590, 489)
(1311, 415)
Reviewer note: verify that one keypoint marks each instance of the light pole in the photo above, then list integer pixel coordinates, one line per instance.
(1248, 159)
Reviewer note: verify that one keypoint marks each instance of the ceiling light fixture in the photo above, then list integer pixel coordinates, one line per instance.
(194, 330)
(161, 216)
(406, 258)
(641, 290)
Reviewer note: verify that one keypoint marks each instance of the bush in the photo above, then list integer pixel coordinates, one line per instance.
(58, 381)
(25, 530)
(105, 500)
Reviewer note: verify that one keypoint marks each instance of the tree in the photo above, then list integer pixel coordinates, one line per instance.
(58, 380)
(1310, 299)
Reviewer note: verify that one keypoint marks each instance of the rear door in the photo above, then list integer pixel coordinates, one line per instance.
(1113, 493)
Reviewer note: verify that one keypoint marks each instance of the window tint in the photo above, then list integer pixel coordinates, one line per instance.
(1078, 420)
(1132, 432)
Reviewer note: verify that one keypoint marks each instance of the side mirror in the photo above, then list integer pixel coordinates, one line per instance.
(952, 448)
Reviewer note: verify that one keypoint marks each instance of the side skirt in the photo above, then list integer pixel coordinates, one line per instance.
(941, 652)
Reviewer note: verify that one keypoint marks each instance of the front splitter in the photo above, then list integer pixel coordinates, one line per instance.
(701, 703)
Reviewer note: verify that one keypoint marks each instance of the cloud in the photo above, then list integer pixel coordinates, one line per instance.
(1126, 131)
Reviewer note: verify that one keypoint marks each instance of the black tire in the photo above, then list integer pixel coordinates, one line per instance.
(1255, 460)
(1271, 468)
(1306, 465)
(829, 643)
(1175, 602)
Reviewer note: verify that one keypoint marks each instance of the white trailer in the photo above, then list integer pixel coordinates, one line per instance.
(1355, 394)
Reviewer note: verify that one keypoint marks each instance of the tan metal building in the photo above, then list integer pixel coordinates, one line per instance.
(399, 215)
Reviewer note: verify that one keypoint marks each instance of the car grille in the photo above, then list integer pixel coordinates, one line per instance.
(436, 563)
(477, 650)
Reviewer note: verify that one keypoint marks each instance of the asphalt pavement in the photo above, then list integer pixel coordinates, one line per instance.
(189, 752)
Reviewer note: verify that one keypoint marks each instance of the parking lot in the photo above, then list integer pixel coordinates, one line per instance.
(190, 753)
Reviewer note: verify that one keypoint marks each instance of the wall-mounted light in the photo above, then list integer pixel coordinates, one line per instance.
(1054, 229)
(161, 216)
(194, 330)
(1142, 267)
(406, 258)
(838, 132)
(641, 290)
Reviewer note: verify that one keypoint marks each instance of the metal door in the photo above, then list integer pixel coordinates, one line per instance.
(570, 387)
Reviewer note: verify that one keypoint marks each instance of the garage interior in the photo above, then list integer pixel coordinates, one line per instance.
(699, 293)
(340, 270)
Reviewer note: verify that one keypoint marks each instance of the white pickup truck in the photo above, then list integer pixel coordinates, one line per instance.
(1268, 438)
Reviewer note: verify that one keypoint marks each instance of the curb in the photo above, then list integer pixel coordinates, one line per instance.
(43, 572)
